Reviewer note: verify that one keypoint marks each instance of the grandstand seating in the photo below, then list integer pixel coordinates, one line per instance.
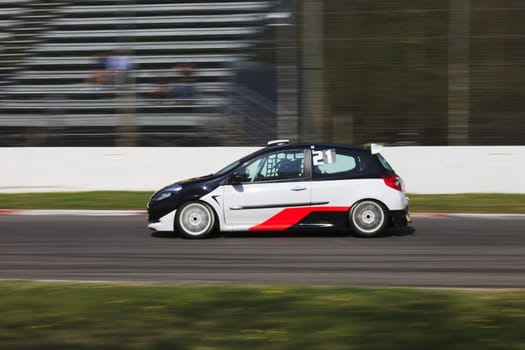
(51, 48)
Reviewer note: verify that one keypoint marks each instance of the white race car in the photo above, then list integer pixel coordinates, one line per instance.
(287, 187)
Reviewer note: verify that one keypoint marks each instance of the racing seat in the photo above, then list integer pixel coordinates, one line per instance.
(288, 168)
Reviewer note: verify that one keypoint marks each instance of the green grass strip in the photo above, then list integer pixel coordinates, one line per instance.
(118, 200)
(465, 203)
(97, 316)
(469, 203)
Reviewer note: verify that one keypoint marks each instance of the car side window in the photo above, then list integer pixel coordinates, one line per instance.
(282, 165)
(335, 163)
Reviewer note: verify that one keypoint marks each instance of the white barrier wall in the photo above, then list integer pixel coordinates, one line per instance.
(111, 168)
(459, 169)
(425, 169)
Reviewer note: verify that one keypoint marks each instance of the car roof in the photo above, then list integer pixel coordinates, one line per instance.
(284, 146)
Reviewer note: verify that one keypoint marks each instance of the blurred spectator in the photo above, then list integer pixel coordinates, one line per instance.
(177, 84)
(118, 66)
(163, 84)
(98, 75)
(186, 79)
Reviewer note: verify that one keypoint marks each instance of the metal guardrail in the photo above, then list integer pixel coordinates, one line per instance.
(178, 7)
(144, 46)
(181, 19)
(138, 33)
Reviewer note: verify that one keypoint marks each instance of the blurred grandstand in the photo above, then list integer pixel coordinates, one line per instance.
(50, 48)
(405, 72)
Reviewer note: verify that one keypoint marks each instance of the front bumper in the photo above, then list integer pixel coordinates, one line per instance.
(165, 223)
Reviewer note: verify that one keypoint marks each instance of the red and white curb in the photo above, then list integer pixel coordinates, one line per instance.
(466, 215)
(429, 215)
(30, 212)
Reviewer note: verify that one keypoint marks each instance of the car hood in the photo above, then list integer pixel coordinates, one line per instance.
(190, 182)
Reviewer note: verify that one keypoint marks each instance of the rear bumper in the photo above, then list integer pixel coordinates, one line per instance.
(400, 217)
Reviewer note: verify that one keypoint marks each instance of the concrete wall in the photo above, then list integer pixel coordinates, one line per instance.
(460, 169)
(425, 169)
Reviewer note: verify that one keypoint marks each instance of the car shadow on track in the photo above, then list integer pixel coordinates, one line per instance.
(399, 232)
(169, 235)
(392, 232)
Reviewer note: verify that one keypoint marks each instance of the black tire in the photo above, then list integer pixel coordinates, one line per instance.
(195, 220)
(368, 218)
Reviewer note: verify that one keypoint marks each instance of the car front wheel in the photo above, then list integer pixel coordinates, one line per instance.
(368, 218)
(195, 220)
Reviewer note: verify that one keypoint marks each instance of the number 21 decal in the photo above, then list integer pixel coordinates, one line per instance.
(323, 157)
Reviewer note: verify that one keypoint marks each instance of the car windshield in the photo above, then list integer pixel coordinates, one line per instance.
(228, 167)
(235, 164)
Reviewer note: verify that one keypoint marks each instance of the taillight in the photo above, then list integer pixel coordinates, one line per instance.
(394, 182)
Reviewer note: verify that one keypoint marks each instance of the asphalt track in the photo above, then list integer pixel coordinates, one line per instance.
(469, 252)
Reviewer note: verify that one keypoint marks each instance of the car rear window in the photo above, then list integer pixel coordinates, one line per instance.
(342, 163)
(386, 166)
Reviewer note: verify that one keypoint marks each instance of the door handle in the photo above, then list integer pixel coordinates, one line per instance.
(298, 188)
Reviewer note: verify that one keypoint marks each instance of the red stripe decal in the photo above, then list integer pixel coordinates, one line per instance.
(288, 217)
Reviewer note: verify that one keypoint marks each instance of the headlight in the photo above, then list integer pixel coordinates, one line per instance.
(162, 195)
(174, 188)
(166, 193)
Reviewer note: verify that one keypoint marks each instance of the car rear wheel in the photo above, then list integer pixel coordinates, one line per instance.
(195, 220)
(368, 218)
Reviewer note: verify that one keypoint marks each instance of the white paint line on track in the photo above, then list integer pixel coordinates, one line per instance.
(489, 216)
(220, 283)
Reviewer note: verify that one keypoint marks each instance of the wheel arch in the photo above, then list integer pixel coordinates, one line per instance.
(373, 199)
(216, 224)
(386, 212)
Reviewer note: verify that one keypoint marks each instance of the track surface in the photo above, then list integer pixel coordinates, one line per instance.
(433, 252)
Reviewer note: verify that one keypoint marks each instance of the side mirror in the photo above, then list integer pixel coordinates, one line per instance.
(235, 179)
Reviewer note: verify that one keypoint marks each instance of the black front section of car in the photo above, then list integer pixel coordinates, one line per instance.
(171, 197)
